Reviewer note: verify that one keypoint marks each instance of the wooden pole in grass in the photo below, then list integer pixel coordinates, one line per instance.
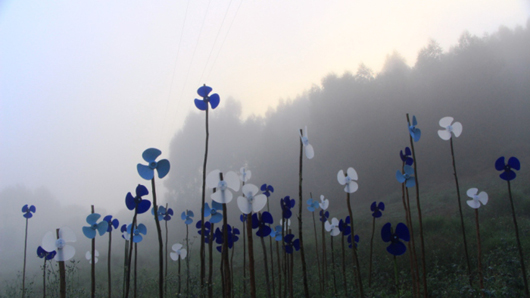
(251, 257)
(300, 228)
(202, 254)
(523, 268)
(93, 264)
(422, 242)
(62, 274)
(354, 249)
(160, 244)
(479, 257)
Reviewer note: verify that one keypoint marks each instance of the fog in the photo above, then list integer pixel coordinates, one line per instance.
(355, 119)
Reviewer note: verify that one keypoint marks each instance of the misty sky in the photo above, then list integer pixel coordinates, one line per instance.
(87, 86)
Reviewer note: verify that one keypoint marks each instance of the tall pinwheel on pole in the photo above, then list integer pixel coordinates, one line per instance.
(202, 104)
(476, 199)
(187, 217)
(90, 233)
(313, 206)
(164, 213)
(414, 136)
(451, 128)
(148, 173)
(376, 213)
(58, 241)
(396, 247)
(28, 213)
(307, 150)
(46, 255)
(350, 186)
(508, 175)
(113, 223)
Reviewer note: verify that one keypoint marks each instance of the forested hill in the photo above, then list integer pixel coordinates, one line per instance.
(359, 120)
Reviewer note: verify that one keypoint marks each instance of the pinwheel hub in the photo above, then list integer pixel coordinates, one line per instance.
(152, 165)
(60, 243)
(395, 238)
(449, 128)
(305, 141)
(222, 185)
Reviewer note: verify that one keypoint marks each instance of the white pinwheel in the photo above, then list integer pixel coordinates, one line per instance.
(477, 198)
(244, 174)
(324, 203)
(333, 227)
(178, 252)
(250, 202)
(287, 224)
(308, 149)
(449, 127)
(64, 252)
(348, 180)
(222, 194)
(88, 256)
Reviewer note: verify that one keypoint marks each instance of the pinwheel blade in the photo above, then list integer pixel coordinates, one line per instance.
(386, 232)
(335, 232)
(92, 218)
(115, 223)
(351, 187)
(483, 197)
(174, 256)
(266, 217)
(232, 180)
(381, 206)
(514, 163)
(457, 129)
(25, 208)
(445, 121)
(402, 231)
(204, 90)
(216, 218)
(399, 176)
(212, 179)
(176, 246)
(352, 174)
(162, 168)
(145, 172)
(249, 189)
(309, 152)
(214, 100)
(137, 238)
(473, 204)
(102, 227)
(200, 104)
(472, 192)
(499, 164)
(341, 177)
(65, 254)
(411, 182)
(129, 201)
(444, 135)
(67, 234)
(89, 232)
(222, 196)
(141, 190)
(48, 241)
(32, 209)
(143, 206)
(508, 175)
(141, 229)
(244, 206)
(183, 254)
(414, 122)
(151, 154)
(28, 215)
(408, 170)
(327, 226)
(183, 215)
(259, 203)
(396, 248)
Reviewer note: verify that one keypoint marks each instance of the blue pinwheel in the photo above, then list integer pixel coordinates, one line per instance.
(207, 230)
(232, 237)
(163, 213)
(137, 232)
(406, 177)
(513, 164)
(101, 227)
(355, 238)
(267, 189)
(243, 217)
(187, 216)
(377, 208)
(214, 212)
(415, 133)
(406, 157)
(313, 205)
(344, 226)
(48, 255)
(137, 201)
(291, 243)
(202, 104)
(124, 233)
(28, 211)
(113, 223)
(262, 224)
(396, 247)
(148, 172)
(277, 233)
(287, 204)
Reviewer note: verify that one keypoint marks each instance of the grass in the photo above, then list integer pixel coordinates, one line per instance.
(445, 259)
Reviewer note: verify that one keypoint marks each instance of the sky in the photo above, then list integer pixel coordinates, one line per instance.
(87, 86)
